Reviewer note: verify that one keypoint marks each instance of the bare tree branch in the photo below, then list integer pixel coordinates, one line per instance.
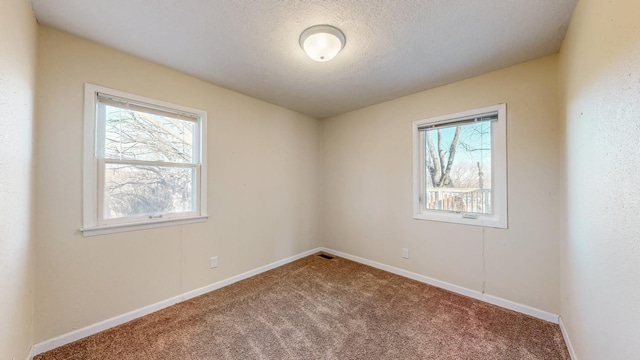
(469, 148)
(444, 180)
(440, 152)
(434, 169)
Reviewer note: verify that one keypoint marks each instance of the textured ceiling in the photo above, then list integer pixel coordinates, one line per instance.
(394, 47)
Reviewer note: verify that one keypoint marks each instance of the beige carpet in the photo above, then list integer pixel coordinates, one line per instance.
(316, 308)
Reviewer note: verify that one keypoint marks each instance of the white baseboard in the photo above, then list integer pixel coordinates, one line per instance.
(567, 340)
(131, 315)
(121, 319)
(507, 304)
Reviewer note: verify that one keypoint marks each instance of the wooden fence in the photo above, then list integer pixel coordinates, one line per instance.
(462, 200)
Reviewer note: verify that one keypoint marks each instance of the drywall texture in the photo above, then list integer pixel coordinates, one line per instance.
(367, 188)
(18, 31)
(600, 267)
(262, 199)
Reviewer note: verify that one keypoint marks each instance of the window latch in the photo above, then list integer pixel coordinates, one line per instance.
(155, 216)
(469, 216)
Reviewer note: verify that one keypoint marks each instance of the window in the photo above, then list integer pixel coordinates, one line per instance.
(144, 163)
(460, 168)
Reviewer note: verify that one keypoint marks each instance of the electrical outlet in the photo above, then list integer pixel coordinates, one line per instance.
(405, 253)
(214, 262)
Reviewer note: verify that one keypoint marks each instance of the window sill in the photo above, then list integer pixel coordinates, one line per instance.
(459, 218)
(117, 228)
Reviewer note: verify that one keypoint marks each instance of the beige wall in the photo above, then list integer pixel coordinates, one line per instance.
(18, 31)
(600, 68)
(262, 201)
(367, 188)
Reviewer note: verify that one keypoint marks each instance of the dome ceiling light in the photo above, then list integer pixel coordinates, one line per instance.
(322, 42)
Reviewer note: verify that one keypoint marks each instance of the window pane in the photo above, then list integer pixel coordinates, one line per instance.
(137, 135)
(135, 190)
(458, 168)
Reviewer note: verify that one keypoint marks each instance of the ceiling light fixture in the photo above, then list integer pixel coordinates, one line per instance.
(322, 42)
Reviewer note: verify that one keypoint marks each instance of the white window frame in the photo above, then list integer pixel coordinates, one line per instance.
(93, 168)
(498, 217)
